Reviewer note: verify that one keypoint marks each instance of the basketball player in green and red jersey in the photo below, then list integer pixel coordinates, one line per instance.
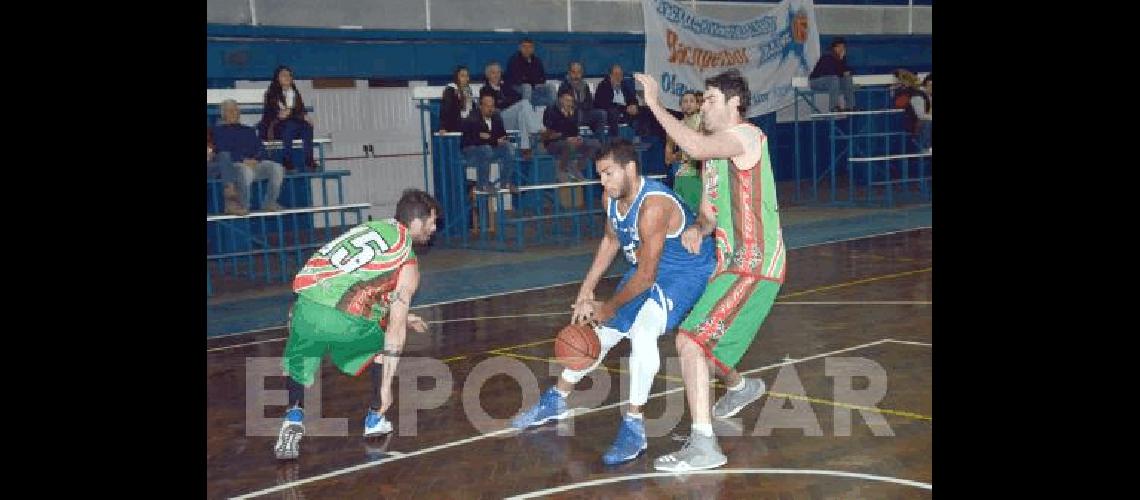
(739, 208)
(353, 297)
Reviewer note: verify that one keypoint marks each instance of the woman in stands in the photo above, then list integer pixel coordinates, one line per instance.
(457, 103)
(285, 119)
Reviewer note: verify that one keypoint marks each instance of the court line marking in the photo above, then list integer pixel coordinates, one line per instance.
(858, 282)
(432, 322)
(857, 303)
(778, 302)
(354, 468)
(812, 472)
(897, 413)
(662, 376)
(829, 242)
(717, 383)
(245, 344)
(909, 342)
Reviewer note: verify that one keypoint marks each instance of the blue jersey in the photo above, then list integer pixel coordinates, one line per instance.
(681, 276)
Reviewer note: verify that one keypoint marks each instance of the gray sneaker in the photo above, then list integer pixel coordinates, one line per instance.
(288, 445)
(699, 452)
(733, 401)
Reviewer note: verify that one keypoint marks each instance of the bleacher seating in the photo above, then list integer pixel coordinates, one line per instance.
(273, 245)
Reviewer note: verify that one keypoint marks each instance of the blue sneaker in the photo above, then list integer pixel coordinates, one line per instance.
(375, 424)
(288, 445)
(629, 443)
(551, 406)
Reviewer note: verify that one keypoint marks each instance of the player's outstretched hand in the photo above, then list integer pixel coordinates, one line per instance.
(649, 86)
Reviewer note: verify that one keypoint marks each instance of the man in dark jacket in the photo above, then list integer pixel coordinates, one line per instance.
(517, 113)
(485, 141)
(562, 138)
(618, 98)
(583, 98)
(241, 145)
(527, 76)
(832, 74)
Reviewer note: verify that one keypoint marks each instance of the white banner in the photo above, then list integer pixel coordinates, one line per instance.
(682, 49)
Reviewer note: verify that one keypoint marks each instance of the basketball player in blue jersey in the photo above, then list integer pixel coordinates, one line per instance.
(644, 221)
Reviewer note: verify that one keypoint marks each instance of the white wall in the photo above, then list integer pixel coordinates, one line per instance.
(385, 118)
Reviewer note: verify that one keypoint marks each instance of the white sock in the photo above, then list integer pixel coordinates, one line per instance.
(738, 386)
(704, 429)
(634, 415)
(560, 393)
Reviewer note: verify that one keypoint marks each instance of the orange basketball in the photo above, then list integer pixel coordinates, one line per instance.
(577, 347)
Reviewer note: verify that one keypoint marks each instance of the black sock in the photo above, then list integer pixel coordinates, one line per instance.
(296, 393)
(377, 377)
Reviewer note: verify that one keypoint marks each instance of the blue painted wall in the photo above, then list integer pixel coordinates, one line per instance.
(252, 52)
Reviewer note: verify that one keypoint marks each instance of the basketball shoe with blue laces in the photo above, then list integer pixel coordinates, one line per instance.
(629, 443)
(551, 406)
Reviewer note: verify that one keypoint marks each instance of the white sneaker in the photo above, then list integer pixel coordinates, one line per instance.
(375, 424)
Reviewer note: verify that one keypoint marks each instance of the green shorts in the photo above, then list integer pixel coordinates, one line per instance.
(727, 316)
(351, 341)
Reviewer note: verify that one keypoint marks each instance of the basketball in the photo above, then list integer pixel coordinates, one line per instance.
(577, 346)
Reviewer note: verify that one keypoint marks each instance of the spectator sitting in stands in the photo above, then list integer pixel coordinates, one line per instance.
(243, 146)
(484, 141)
(926, 119)
(915, 100)
(687, 180)
(562, 139)
(583, 98)
(458, 102)
(284, 118)
(527, 76)
(518, 114)
(220, 165)
(618, 98)
(832, 74)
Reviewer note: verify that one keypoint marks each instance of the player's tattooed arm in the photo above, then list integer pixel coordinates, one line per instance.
(398, 296)
(394, 336)
(402, 296)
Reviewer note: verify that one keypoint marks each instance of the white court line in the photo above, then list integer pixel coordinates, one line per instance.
(235, 346)
(810, 472)
(535, 315)
(508, 430)
(908, 342)
(508, 316)
(247, 332)
(857, 303)
(476, 318)
(876, 235)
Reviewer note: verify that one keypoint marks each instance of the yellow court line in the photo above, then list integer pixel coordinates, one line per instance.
(856, 282)
(496, 350)
(616, 370)
(500, 350)
(906, 414)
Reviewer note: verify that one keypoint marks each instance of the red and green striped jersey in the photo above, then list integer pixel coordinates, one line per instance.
(357, 271)
(748, 235)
